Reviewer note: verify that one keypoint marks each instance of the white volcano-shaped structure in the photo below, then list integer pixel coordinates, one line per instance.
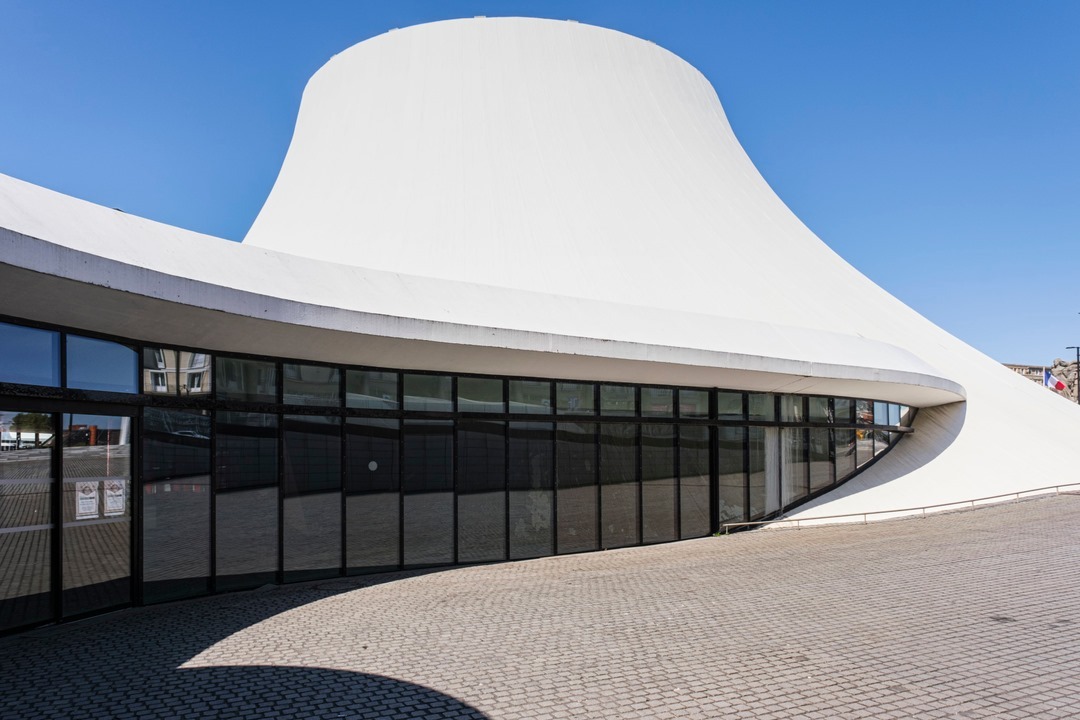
(537, 198)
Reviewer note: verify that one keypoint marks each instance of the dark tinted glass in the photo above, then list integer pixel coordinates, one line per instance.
(247, 450)
(657, 402)
(530, 396)
(659, 488)
(372, 480)
(97, 512)
(247, 538)
(159, 372)
(694, 403)
(429, 492)
(246, 380)
(619, 490)
(94, 364)
(693, 481)
(618, 400)
(29, 356)
(428, 392)
(312, 454)
(577, 494)
(312, 534)
(481, 490)
(731, 469)
(371, 389)
(26, 482)
(176, 504)
(311, 385)
(531, 482)
(480, 395)
(575, 398)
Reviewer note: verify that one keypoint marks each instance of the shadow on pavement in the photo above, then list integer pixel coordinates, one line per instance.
(129, 665)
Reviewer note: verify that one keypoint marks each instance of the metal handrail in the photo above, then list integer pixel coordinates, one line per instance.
(797, 522)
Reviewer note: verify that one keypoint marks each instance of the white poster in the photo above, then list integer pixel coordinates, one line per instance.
(115, 497)
(86, 500)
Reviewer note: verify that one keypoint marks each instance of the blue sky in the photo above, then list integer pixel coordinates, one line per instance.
(934, 145)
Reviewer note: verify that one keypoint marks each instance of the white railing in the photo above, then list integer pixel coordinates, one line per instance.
(725, 528)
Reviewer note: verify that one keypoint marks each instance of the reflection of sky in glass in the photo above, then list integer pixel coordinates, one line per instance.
(100, 365)
(29, 356)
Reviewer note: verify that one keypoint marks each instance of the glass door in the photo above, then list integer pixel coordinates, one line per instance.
(96, 565)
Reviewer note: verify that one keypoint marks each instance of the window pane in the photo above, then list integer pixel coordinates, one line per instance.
(894, 414)
(577, 494)
(762, 407)
(732, 475)
(94, 364)
(658, 484)
(530, 396)
(159, 375)
(428, 392)
(195, 378)
(246, 380)
(864, 446)
(247, 450)
(311, 385)
(373, 505)
(312, 535)
(481, 490)
(29, 356)
(247, 538)
(480, 395)
(312, 454)
(97, 512)
(864, 412)
(620, 519)
(819, 409)
(618, 400)
(794, 471)
(26, 521)
(845, 453)
(371, 389)
(791, 408)
(729, 406)
(176, 504)
(657, 402)
(821, 461)
(881, 413)
(531, 481)
(694, 403)
(429, 492)
(764, 472)
(693, 481)
(845, 410)
(574, 398)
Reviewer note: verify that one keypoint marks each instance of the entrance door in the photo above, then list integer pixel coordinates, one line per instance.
(96, 566)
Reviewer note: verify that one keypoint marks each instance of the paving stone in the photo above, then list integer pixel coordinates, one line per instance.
(962, 615)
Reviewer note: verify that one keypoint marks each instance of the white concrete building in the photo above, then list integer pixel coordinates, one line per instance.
(517, 291)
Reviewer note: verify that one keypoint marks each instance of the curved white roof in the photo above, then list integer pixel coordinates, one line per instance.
(543, 198)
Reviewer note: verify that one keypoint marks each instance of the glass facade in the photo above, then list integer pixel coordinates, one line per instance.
(259, 470)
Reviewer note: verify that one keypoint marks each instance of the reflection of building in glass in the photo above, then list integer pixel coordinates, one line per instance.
(450, 337)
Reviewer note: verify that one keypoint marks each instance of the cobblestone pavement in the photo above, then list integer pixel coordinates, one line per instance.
(973, 614)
